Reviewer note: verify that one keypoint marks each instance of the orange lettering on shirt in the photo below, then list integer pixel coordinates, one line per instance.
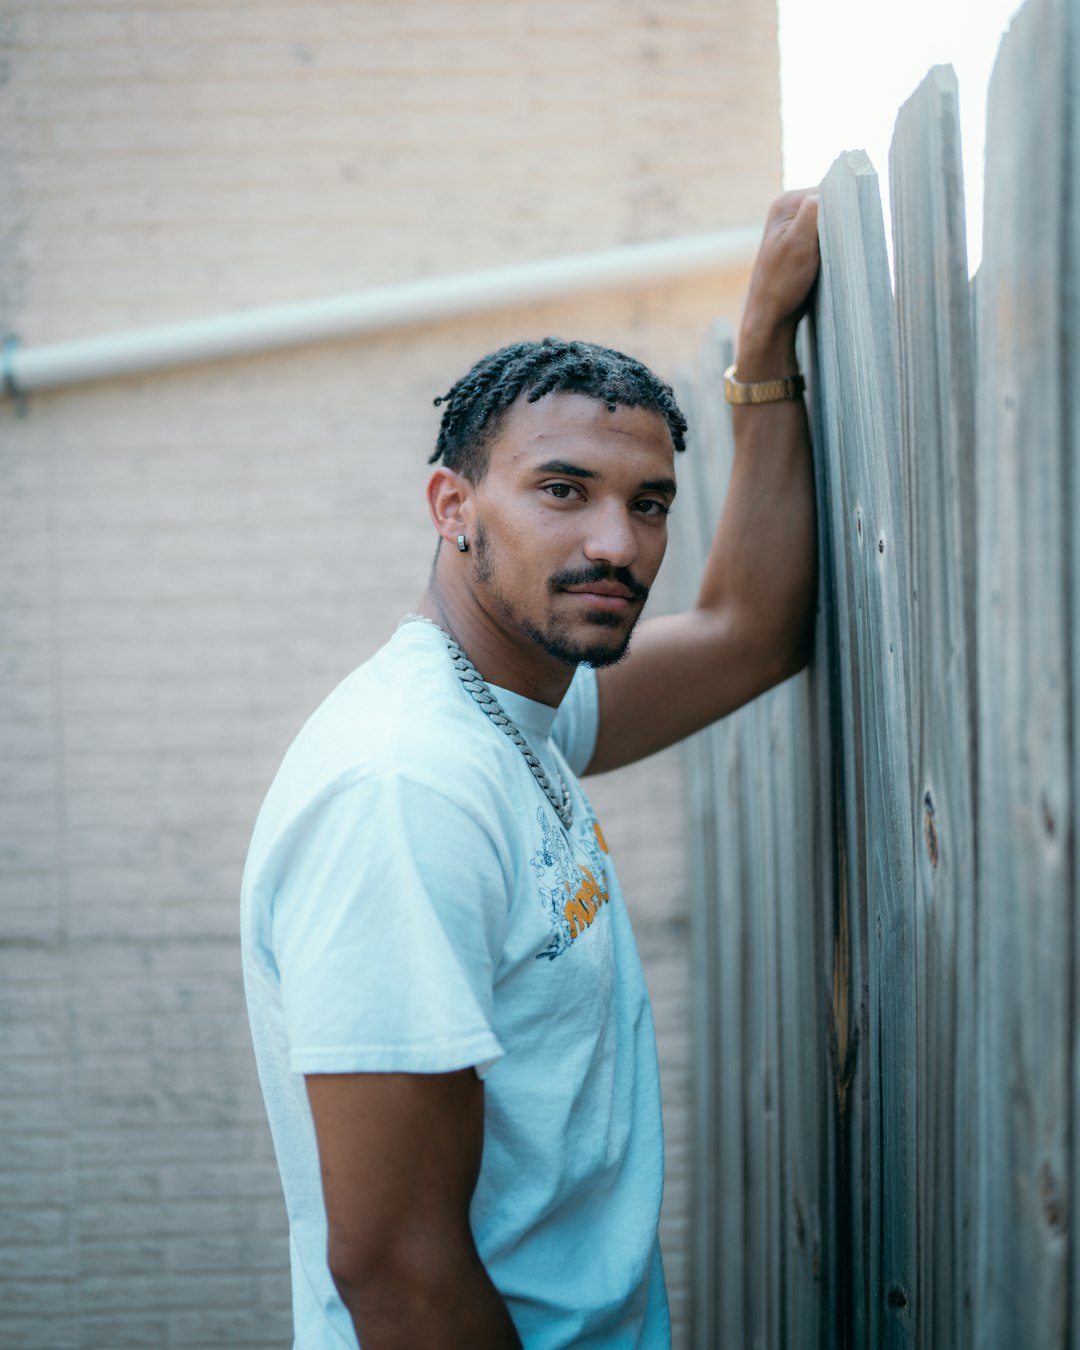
(592, 887)
(578, 916)
(584, 903)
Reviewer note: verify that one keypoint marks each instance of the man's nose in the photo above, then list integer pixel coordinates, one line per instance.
(611, 536)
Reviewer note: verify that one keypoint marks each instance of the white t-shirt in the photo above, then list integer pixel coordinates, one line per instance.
(411, 903)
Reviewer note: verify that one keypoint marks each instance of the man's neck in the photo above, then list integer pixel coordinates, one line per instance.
(510, 660)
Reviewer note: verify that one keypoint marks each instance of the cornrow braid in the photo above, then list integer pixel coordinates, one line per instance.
(474, 407)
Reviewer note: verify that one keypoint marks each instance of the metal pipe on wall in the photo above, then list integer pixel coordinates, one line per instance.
(271, 327)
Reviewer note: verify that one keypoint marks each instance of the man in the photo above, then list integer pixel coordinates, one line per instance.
(451, 1026)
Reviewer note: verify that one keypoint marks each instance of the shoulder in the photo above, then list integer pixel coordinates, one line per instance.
(394, 713)
(398, 730)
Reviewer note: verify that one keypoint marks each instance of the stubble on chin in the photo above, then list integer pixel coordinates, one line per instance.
(554, 639)
(557, 643)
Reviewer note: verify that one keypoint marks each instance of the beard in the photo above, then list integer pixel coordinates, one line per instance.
(555, 638)
(559, 643)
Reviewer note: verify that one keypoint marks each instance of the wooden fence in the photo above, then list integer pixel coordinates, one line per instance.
(887, 1002)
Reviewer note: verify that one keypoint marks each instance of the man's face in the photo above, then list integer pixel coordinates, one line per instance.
(570, 523)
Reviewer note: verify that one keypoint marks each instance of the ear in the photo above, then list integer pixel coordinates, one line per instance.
(450, 502)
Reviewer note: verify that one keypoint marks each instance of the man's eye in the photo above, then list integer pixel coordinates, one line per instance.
(560, 490)
(650, 506)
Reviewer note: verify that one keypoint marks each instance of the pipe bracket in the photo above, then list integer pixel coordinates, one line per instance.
(9, 384)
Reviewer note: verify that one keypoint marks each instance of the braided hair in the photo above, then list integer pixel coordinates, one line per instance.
(474, 407)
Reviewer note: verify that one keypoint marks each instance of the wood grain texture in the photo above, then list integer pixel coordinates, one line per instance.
(701, 805)
(937, 413)
(858, 436)
(715, 759)
(762, 1114)
(893, 838)
(1026, 900)
(1071, 366)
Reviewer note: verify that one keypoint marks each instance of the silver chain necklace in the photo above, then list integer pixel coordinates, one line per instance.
(475, 684)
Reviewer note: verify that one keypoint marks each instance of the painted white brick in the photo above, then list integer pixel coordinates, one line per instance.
(32, 1153)
(244, 1180)
(20, 1296)
(232, 1251)
(270, 1326)
(189, 562)
(54, 1329)
(122, 1329)
(121, 1257)
(33, 1226)
(168, 1143)
(167, 1292)
(95, 1185)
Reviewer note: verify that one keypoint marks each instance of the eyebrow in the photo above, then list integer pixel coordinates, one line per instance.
(562, 466)
(665, 485)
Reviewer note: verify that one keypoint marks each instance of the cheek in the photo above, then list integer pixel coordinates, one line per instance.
(539, 539)
(652, 555)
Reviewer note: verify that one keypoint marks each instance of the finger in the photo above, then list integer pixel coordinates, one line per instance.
(788, 204)
(804, 222)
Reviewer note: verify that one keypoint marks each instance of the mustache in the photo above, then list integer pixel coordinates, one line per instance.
(601, 572)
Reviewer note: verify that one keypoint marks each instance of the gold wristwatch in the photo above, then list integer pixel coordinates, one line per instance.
(762, 391)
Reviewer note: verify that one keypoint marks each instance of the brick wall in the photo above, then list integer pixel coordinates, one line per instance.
(189, 562)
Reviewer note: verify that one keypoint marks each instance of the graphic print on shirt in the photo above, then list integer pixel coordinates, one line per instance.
(572, 893)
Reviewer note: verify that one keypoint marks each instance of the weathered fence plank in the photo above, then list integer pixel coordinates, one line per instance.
(832, 1028)
(762, 1073)
(705, 902)
(937, 414)
(857, 438)
(716, 916)
(801, 1097)
(1071, 368)
(1025, 810)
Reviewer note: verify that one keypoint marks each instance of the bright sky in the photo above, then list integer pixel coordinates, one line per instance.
(846, 66)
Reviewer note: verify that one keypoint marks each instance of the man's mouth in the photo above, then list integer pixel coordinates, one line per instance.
(605, 588)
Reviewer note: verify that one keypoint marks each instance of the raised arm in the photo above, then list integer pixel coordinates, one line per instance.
(399, 1155)
(750, 627)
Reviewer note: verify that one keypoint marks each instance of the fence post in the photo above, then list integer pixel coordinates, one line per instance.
(937, 417)
(1026, 835)
(857, 436)
(1071, 367)
(762, 1111)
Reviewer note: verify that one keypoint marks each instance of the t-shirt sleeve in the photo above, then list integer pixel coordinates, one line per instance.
(389, 911)
(575, 727)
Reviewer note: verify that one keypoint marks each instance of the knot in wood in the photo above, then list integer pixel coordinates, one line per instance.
(930, 829)
(1053, 1204)
(1048, 821)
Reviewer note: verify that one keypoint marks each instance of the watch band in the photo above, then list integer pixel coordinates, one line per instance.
(762, 391)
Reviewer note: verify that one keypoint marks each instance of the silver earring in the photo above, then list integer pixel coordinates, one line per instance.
(462, 543)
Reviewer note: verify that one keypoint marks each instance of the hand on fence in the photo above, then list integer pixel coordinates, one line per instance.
(780, 284)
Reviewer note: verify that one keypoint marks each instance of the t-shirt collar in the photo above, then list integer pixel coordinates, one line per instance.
(526, 712)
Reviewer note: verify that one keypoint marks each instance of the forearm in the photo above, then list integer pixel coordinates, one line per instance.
(751, 624)
(432, 1299)
(761, 569)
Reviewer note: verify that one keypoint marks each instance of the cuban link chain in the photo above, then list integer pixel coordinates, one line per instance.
(475, 685)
